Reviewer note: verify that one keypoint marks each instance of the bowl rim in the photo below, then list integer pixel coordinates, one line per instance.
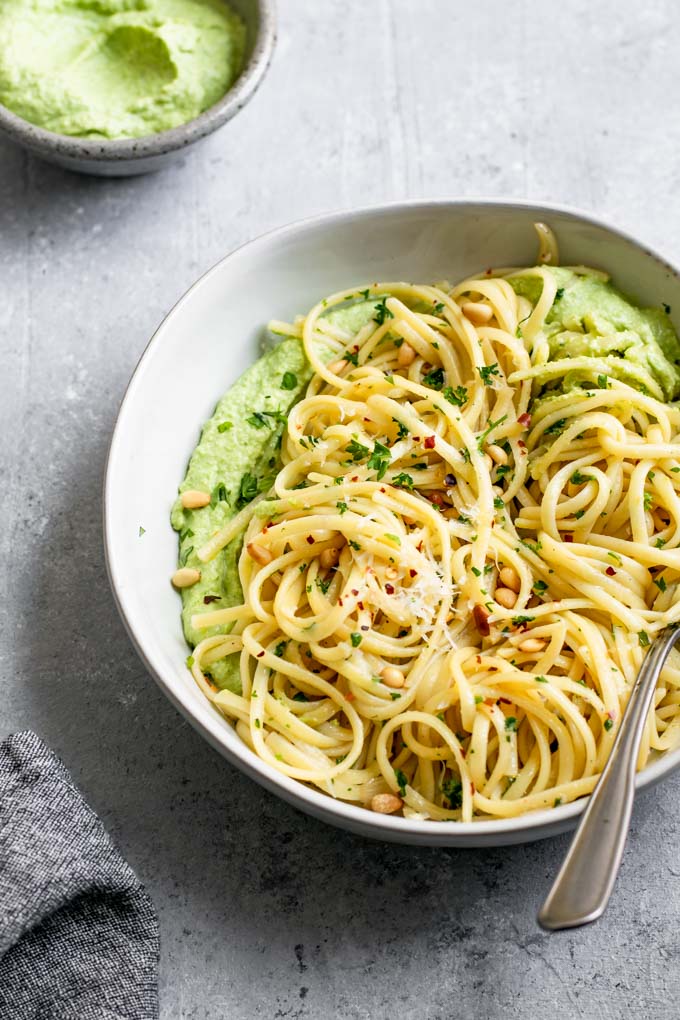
(113, 150)
(532, 825)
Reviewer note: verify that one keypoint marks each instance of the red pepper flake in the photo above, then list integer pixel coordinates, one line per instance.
(610, 571)
(428, 442)
(340, 602)
(462, 752)
(364, 627)
(568, 538)
(354, 478)
(419, 547)
(413, 573)
(505, 701)
(389, 588)
(416, 439)
(489, 701)
(360, 605)
(350, 697)
(259, 655)
(382, 490)
(524, 419)
(310, 539)
(436, 498)
(355, 591)
(522, 446)
(472, 788)
(367, 419)
(211, 598)
(479, 660)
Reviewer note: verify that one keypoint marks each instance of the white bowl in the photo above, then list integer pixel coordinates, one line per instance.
(213, 334)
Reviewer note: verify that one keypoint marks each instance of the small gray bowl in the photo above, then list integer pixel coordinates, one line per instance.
(126, 157)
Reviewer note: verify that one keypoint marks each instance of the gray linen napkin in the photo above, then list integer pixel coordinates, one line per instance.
(78, 934)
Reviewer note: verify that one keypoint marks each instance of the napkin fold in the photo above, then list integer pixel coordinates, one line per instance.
(78, 934)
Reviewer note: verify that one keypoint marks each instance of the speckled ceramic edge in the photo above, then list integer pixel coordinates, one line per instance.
(83, 152)
(526, 828)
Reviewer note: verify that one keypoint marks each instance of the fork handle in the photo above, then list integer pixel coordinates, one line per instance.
(585, 881)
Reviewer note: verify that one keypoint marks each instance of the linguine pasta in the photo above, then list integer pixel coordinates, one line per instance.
(450, 587)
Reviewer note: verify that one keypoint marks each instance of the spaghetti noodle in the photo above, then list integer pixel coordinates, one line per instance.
(449, 589)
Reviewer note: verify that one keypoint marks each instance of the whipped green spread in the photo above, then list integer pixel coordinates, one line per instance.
(593, 331)
(116, 68)
(238, 457)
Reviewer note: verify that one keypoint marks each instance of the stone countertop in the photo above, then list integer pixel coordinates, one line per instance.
(266, 913)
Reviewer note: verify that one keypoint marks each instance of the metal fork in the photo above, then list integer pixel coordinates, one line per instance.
(581, 891)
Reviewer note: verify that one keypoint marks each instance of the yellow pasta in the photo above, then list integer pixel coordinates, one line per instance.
(453, 585)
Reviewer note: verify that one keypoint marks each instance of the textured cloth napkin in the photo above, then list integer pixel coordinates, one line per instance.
(78, 934)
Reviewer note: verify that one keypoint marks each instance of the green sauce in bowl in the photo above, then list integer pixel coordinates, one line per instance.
(117, 68)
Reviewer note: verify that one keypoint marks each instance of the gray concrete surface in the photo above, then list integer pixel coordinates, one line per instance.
(265, 913)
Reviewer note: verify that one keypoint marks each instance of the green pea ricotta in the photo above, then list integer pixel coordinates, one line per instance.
(237, 457)
(593, 331)
(116, 68)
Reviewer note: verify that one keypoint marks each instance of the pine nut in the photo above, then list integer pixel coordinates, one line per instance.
(192, 499)
(259, 554)
(481, 615)
(531, 644)
(406, 355)
(392, 677)
(185, 577)
(386, 803)
(509, 578)
(391, 573)
(336, 367)
(506, 597)
(329, 558)
(497, 453)
(477, 313)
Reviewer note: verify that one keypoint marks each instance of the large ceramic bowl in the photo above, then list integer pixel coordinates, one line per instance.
(127, 157)
(213, 334)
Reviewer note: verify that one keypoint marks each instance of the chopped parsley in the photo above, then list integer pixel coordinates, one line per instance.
(539, 587)
(142, 531)
(224, 426)
(218, 495)
(556, 428)
(248, 489)
(190, 661)
(300, 696)
(289, 381)
(559, 293)
(280, 648)
(481, 438)
(603, 382)
(643, 638)
(660, 582)
(356, 450)
(458, 397)
(354, 545)
(402, 781)
(648, 499)
(323, 585)
(352, 357)
(578, 479)
(511, 724)
(382, 312)
(608, 723)
(403, 480)
(379, 459)
(520, 620)
(453, 791)
(499, 503)
(342, 507)
(402, 430)
(487, 371)
(355, 639)
(434, 378)
(258, 420)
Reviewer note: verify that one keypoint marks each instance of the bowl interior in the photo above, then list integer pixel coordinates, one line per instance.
(214, 333)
